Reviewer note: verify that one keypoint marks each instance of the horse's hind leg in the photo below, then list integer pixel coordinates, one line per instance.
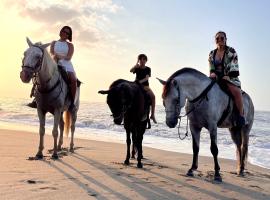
(195, 146)
(41, 116)
(214, 151)
(61, 126)
(237, 138)
(72, 127)
(128, 141)
(244, 148)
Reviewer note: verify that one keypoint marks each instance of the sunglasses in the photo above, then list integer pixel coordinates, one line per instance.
(220, 38)
(66, 32)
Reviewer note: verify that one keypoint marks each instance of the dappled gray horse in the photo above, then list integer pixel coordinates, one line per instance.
(209, 107)
(51, 95)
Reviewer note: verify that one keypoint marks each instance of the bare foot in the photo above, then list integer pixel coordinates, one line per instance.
(153, 118)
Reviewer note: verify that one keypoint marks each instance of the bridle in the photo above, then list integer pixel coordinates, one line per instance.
(202, 96)
(37, 67)
(35, 72)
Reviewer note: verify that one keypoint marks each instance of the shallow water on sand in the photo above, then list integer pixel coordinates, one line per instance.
(94, 122)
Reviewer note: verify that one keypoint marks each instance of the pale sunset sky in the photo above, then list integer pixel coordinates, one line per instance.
(109, 34)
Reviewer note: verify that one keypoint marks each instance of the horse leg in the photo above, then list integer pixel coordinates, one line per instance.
(128, 141)
(133, 152)
(61, 125)
(74, 118)
(244, 149)
(214, 151)
(196, 147)
(237, 138)
(139, 148)
(42, 118)
(57, 116)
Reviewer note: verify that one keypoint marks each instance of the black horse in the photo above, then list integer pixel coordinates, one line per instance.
(129, 102)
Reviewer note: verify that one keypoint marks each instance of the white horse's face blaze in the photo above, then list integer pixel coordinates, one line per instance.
(172, 107)
(31, 62)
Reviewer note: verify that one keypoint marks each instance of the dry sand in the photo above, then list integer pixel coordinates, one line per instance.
(95, 171)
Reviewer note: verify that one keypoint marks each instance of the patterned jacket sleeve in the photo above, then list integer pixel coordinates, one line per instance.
(233, 67)
(211, 62)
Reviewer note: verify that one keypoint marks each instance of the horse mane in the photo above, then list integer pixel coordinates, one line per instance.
(117, 82)
(184, 70)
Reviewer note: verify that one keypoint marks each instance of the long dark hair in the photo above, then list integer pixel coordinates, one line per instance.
(70, 30)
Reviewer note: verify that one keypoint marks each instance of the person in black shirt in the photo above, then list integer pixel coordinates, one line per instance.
(142, 75)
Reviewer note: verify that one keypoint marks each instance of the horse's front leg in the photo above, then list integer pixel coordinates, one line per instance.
(214, 151)
(196, 147)
(57, 116)
(128, 141)
(61, 126)
(42, 118)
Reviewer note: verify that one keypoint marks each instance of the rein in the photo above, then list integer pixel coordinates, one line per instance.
(35, 74)
(200, 98)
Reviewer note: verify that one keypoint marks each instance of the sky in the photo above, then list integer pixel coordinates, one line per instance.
(108, 35)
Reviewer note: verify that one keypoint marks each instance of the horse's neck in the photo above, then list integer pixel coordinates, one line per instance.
(192, 86)
(48, 69)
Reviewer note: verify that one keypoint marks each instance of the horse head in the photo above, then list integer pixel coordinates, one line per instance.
(173, 101)
(118, 100)
(32, 60)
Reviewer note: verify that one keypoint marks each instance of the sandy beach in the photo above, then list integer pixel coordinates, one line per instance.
(95, 171)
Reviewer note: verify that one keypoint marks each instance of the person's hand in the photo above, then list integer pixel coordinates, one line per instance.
(213, 75)
(226, 78)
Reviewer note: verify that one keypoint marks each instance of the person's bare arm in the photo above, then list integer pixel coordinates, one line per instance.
(70, 52)
(132, 70)
(145, 79)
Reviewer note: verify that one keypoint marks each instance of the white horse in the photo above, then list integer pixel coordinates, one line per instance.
(52, 94)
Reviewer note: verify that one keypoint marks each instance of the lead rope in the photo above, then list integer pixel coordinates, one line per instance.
(179, 126)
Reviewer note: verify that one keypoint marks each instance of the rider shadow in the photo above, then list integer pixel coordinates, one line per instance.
(141, 186)
(90, 191)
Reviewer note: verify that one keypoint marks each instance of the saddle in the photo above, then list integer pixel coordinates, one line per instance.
(65, 77)
(230, 109)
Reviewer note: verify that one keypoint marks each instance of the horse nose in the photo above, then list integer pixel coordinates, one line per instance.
(25, 77)
(171, 123)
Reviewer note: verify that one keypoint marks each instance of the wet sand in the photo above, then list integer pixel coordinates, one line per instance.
(95, 171)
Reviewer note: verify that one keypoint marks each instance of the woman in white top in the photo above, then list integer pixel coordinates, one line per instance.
(62, 51)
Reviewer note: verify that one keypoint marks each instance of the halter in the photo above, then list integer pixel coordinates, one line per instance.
(36, 70)
(37, 66)
(199, 98)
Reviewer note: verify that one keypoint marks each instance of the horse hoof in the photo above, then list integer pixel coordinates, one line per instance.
(126, 162)
(241, 174)
(71, 150)
(39, 156)
(218, 179)
(140, 165)
(55, 156)
(133, 157)
(190, 173)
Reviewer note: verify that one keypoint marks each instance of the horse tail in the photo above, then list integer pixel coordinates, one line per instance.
(67, 124)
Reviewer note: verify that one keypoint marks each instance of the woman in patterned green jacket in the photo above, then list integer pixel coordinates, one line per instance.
(223, 63)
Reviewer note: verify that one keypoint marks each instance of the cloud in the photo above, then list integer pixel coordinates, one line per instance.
(86, 17)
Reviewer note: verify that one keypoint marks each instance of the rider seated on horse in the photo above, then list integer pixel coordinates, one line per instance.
(142, 75)
(62, 51)
(223, 63)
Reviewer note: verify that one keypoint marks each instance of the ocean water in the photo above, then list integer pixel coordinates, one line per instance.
(94, 122)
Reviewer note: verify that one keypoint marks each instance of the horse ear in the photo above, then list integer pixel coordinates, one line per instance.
(29, 42)
(161, 81)
(103, 91)
(44, 46)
